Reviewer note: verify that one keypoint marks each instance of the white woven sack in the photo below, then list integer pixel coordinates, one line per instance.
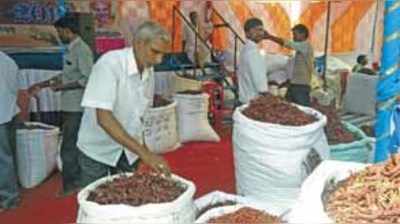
(219, 197)
(36, 153)
(309, 207)
(183, 84)
(161, 129)
(271, 159)
(216, 212)
(179, 211)
(192, 118)
(360, 97)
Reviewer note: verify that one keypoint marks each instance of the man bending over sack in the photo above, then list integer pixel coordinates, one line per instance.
(119, 91)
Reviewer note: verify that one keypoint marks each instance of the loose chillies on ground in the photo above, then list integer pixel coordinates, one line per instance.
(369, 196)
(246, 215)
(136, 190)
(272, 109)
(335, 130)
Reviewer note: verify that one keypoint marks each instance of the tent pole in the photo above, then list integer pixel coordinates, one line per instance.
(388, 89)
(372, 50)
(173, 28)
(327, 26)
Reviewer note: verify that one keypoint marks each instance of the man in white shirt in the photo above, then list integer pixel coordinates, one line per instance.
(119, 91)
(252, 73)
(9, 194)
(78, 62)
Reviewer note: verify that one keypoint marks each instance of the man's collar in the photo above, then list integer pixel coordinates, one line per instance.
(250, 42)
(73, 43)
(131, 62)
(133, 67)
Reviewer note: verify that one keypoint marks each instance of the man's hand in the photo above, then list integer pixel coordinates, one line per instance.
(157, 163)
(266, 34)
(56, 87)
(34, 89)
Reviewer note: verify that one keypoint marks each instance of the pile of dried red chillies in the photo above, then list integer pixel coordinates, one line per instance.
(246, 215)
(335, 130)
(138, 189)
(272, 109)
(369, 196)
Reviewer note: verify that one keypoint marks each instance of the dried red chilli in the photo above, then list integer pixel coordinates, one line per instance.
(335, 130)
(369, 196)
(160, 101)
(246, 215)
(272, 109)
(136, 190)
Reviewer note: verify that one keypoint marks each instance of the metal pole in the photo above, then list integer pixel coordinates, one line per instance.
(328, 19)
(388, 89)
(372, 50)
(228, 25)
(195, 56)
(173, 28)
(235, 55)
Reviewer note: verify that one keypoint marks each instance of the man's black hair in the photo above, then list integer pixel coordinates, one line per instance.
(301, 28)
(69, 21)
(361, 58)
(251, 23)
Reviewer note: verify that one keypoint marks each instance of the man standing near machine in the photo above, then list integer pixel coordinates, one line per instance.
(78, 62)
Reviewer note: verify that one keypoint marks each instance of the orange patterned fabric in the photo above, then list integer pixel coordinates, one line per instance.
(241, 10)
(219, 38)
(281, 20)
(312, 14)
(162, 12)
(344, 28)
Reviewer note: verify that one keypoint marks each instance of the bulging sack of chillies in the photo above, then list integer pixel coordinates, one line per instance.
(358, 150)
(272, 160)
(137, 199)
(310, 206)
(240, 213)
(218, 199)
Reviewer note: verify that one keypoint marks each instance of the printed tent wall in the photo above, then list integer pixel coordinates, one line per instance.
(355, 25)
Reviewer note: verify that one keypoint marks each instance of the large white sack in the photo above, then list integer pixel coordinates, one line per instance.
(183, 84)
(161, 129)
(193, 118)
(309, 207)
(272, 160)
(360, 97)
(179, 211)
(36, 153)
(215, 197)
(219, 197)
(216, 212)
